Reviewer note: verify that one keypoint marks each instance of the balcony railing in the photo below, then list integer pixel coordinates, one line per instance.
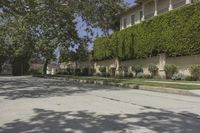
(163, 10)
(178, 4)
(149, 15)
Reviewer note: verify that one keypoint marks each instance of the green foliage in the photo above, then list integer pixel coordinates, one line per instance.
(147, 76)
(102, 69)
(38, 70)
(195, 71)
(103, 14)
(77, 71)
(170, 70)
(175, 33)
(137, 69)
(112, 71)
(140, 75)
(178, 76)
(188, 78)
(153, 69)
(85, 71)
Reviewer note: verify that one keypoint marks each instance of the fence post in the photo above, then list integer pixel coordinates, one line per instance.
(161, 65)
(117, 64)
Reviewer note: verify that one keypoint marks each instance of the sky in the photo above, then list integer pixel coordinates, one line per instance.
(130, 1)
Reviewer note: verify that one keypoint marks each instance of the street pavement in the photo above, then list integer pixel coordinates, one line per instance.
(36, 105)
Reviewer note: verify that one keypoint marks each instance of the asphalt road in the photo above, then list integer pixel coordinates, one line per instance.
(35, 105)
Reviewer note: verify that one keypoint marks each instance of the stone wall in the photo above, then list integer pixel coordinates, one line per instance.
(183, 63)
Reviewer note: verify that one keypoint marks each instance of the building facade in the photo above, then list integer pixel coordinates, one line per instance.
(146, 9)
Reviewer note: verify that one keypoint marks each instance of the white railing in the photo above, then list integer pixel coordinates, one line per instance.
(179, 4)
(149, 15)
(163, 10)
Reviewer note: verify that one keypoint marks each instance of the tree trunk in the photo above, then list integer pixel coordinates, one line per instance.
(45, 67)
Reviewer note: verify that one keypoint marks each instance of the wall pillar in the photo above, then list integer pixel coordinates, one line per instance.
(143, 17)
(96, 68)
(188, 1)
(170, 5)
(156, 7)
(117, 65)
(161, 65)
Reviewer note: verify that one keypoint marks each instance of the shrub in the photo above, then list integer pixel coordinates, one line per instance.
(105, 74)
(69, 71)
(112, 71)
(137, 69)
(125, 71)
(178, 76)
(195, 71)
(85, 71)
(38, 70)
(170, 70)
(140, 75)
(78, 71)
(93, 71)
(153, 69)
(180, 37)
(130, 75)
(188, 78)
(98, 74)
(102, 69)
(147, 76)
(120, 75)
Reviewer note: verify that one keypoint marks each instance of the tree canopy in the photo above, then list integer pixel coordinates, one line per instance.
(41, 26)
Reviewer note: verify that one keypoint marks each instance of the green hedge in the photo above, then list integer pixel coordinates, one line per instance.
(176, 33)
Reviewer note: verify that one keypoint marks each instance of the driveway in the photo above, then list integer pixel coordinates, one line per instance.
(36, 105)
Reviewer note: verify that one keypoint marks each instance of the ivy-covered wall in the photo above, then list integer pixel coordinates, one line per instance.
(176, 33)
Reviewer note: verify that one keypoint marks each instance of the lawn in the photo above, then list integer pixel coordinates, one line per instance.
(186, 85)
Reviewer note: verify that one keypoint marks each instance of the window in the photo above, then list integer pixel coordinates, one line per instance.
(125, 22)
(141, 15)
(132, 19)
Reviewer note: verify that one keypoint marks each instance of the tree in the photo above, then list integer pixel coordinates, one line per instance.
(103, 14)
(16, 43)
(50, 23)
(41, 26)
(55, 27)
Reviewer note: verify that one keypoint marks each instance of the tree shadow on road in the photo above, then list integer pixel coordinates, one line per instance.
(43, 88)
(48, 121)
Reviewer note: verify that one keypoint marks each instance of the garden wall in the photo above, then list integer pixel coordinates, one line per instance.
(183, 63)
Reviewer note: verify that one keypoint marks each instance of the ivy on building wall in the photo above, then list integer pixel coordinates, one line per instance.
(176, 33)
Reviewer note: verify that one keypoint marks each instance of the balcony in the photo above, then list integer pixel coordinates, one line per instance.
(163, 10)
(178, 4)
(148, 16)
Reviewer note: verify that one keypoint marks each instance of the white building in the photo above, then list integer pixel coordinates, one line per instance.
(145, 9)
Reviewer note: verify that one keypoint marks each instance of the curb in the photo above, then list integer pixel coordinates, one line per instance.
(167, 90)
(131, 86)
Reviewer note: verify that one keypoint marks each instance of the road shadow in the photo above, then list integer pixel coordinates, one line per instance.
(13, 89)
(48, 121)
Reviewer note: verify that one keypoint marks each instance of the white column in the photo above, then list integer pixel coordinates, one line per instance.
(188, 1)
(170, 5)
(156, 8)
(143, 17)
